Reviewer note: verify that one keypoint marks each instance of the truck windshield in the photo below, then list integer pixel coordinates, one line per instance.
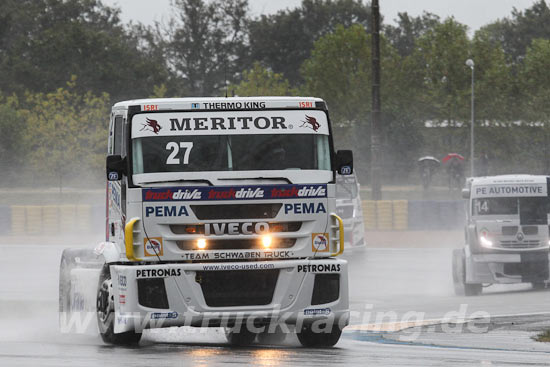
(495, 206)
(534, 210)
(530, 209)
(197, 153)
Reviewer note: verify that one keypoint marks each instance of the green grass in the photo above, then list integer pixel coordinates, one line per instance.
(543, 337)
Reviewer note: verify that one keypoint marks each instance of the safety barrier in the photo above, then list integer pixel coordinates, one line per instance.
(400, 215)
(5, 219)
(369, 214)
(430, 215)
(382, 215)
(35, 220)
(18, 220)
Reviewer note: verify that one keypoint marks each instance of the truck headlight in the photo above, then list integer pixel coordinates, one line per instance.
(201, 243)
(267, 240)
(485, 242)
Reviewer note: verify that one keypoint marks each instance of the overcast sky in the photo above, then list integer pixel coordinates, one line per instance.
(474, 13)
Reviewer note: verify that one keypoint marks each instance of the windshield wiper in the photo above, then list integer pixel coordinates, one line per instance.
(182, 180)
(255, 178)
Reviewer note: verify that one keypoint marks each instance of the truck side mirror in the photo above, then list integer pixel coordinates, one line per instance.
(465, 193)
(344, 162)
(116, 167)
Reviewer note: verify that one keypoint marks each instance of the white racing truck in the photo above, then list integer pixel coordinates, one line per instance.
(220, 213)
(506, 233)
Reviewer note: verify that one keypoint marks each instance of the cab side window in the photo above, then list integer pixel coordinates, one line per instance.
(118, 138)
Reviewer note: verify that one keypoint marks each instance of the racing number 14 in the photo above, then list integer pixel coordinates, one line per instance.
(175, 149)
(482, 206)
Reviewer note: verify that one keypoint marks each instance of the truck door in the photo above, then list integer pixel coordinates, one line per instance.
(117, 192)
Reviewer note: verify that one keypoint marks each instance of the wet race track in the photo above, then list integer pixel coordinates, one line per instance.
(398, 298)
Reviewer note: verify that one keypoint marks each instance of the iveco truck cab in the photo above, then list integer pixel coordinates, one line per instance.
(221, 212)
(506, 233)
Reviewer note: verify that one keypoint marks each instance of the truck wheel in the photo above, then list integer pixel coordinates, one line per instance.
(459, 276)
(472, 289)
(240, 338)
(278, 335)
(458, 272)
(309, 338)
(106, 313)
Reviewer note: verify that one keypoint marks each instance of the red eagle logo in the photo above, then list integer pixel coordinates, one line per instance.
(311, 122)
(151, 125)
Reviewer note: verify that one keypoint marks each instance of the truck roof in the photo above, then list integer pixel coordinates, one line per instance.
(507, 179)
(213, 103)
(508, 186)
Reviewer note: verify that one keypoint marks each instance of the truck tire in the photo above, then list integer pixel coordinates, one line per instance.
(459, 276)
(458, 272)
(310, 339)
(240, 338)
(278, 335)
(472, 289)
(106, 313)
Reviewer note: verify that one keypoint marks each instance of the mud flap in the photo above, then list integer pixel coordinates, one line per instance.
(125, 298)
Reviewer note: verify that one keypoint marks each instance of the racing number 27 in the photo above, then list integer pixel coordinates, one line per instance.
(175, 149)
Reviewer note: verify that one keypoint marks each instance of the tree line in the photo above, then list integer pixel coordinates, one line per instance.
(64, 62)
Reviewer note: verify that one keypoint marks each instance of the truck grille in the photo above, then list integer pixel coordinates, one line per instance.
(237, 287)
(235, 244)
(509, 230)
(236, 211)
(527, 230)
(523, 244)
(530, 230)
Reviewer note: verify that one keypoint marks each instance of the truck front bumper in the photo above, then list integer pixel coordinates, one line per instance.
(225, 294)
(507, 268)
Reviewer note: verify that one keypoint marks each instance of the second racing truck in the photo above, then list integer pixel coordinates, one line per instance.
(506, 233)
